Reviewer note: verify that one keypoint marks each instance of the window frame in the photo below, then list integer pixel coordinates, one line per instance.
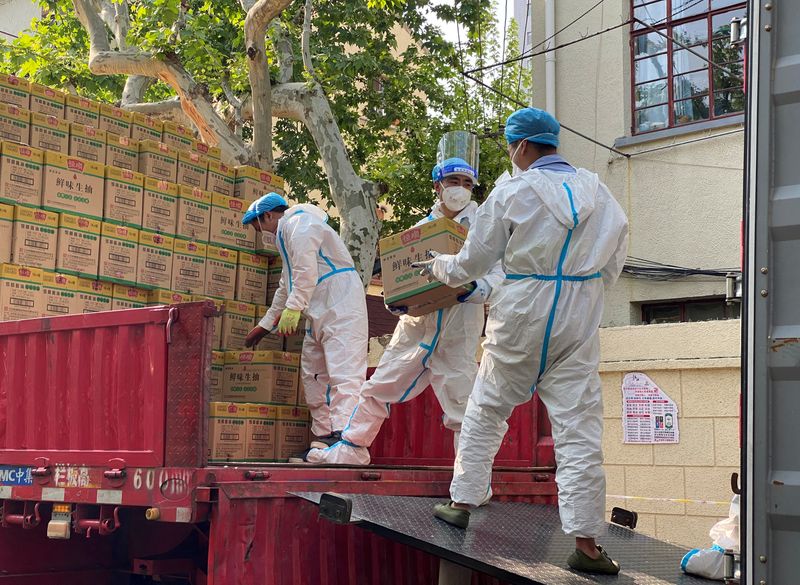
(667, 29)
(683, 305)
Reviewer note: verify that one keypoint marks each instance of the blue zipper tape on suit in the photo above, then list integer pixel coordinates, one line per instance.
(429, 350)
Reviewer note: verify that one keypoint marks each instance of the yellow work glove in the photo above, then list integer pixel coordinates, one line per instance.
(289, 321)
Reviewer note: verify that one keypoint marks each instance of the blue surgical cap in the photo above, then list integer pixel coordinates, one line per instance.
(533, 125)
(453, 166)
(262, 205)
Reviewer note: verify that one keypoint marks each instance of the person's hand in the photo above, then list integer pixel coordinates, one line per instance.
(397, 310)
(289, 321)
(479, 293)
(426, 265)
(256, 334)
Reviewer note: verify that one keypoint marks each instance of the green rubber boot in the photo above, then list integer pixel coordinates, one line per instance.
(456, 516)
(602, 565)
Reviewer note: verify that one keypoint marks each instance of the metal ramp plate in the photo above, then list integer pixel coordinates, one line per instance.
(515, 542)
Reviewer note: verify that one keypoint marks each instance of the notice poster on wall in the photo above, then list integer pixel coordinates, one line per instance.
(649, 416)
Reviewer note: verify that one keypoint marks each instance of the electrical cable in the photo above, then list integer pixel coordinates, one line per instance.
(503, 54)
(461, 57)
(701, 139)
(524, 40)
(13, 36)
(651, 270)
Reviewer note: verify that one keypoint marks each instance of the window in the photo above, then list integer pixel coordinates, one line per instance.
(687, 311)
(671, 84)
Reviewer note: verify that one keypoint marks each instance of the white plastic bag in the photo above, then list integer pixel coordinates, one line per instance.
(710, 562)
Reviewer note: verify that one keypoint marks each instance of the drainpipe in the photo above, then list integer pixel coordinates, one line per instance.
(550, 56)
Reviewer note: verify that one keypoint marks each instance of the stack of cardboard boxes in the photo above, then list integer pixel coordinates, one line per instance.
(101, 209)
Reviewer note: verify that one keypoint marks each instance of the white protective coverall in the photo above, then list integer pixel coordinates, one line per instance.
(561, 237)
(319, 279)
(437, 349)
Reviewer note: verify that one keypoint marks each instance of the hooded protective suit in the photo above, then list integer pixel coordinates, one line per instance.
(319, 279)
(561, 237)
(437, 349)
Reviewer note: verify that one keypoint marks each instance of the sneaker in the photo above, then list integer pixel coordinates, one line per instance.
(327, 440)
(456, 516)
(602, 565)
(301, 458)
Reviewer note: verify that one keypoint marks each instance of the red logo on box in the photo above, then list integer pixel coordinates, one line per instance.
(410, 236)
(157, 239)
(192, 246)
(124, 141)
(13, 109)
(235, 204)
(177, 298)
(266, 178)
(49, 92)
(163, 147)
(60, 279)
(24, 151)
(84, 102)
(194, 157)
(224, 253)
(163, 185)
(24, 272)
(83, 222)
(202, 147)
(232, 408)
(75, 164)
(52, 120)
(97, 285)
(13, 80)
(90, 131)
(39, 215)
(246, 357)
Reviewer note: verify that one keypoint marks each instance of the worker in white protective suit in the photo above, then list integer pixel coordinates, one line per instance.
(318, 280)
(562, 238)
(437, 349)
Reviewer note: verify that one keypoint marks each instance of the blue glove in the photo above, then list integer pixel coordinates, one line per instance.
(479, 293)
(397, 310)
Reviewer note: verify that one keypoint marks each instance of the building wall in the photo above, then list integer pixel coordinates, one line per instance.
(697, 365)
(684, 203)
(16, 15)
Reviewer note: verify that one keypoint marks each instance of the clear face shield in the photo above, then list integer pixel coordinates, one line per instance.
(460, 144)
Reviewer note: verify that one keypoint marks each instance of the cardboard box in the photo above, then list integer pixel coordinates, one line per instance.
(251, 278)
(115, 120)
(192, 169)
(251, 183)
(128, 297)
(20, 292)
(221, 272)
(15, 90)
(216, 341)
(59, 293)
(82, 111)
(78, 245)
(46, 100)
(220, 178)
(226, 422)
(402, 284)
(211, 152)
(94, 296)
(160, 206)
(73, 185)
(261, 376)
(226, 224)
(159, 297)
(122, 152)
(260, 433)
(292, 431)
(177, 136)
(49, 133)
(119, 253)
(154, 267)
(87, 142)
(237, 321)
(6, 232)
(35, 238)
(15, 123)
(21, 173)
(217, 373)
(158, 160)
(124, 196)
(194, 213)
(189, 267)
(146, 127)
(271, 341)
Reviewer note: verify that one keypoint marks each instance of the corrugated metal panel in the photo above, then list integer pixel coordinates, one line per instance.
(84, 389)
(414, 435)
(281, 541)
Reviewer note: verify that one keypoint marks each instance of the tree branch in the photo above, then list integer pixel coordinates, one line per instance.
(236, 103)
(164, 110)
(306, 41)
(255, 29)
(193, 100)
(283, 48)
(354, 197)
(135, 87)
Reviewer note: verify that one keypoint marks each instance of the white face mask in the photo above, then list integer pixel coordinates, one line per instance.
(455, 197)
(267, 239)
(515, 169)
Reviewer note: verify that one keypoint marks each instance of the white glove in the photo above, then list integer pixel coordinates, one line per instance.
(479, 295)
(426, 265)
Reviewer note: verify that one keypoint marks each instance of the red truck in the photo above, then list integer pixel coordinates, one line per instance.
(104, 479)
